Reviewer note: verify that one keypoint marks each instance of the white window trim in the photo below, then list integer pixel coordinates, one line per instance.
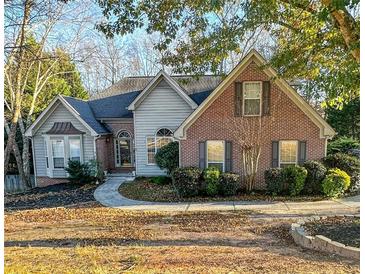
(224, 153)
(66, 151)
(296, 154)
(243, 98)
(150, 137)
(155, 138)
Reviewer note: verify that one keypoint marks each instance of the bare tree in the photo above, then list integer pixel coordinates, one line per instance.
(21, 61)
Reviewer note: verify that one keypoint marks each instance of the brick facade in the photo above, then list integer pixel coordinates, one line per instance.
(285, 122)
(43, 181)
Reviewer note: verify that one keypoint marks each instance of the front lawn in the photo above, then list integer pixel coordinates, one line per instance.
(103, 240)
(144, 190)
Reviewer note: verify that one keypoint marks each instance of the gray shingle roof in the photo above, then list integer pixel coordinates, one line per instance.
(189, 84)
(114, 101)
(86, 113)
(114, 106)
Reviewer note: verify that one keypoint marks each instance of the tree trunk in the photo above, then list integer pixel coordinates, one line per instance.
(347, 25)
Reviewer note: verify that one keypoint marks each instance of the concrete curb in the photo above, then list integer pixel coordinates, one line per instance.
(320, 242)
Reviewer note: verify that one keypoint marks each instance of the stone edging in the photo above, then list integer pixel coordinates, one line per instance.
(321, 243)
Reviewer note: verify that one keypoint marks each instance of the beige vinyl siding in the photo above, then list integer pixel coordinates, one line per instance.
(162, 108)
(60, 114)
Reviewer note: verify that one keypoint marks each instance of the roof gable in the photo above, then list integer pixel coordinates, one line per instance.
(153, 83)
(78, 108)
(253, 55)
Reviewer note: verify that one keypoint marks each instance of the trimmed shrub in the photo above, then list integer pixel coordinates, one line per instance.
(161, 180)
(211, 176)
(187, 181)
(79, 173)
(273, 180)
(293, 178)
(342, 145)
(229, 183)
(167, 157)
(316, 173)
(336, 183)
(349, 164)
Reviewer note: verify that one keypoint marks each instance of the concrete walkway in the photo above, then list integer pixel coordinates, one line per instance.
(107, 194)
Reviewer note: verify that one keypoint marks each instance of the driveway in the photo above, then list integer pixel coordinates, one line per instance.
(107, 194)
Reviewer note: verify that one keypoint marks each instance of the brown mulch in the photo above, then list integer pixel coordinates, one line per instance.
(66, 194)
(144, 190)
(345, 230)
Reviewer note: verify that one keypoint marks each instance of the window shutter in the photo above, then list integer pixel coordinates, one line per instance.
(228, 156)
(266, 98)
(302, 152)
(202, 155)
(238, 96)
(275, 154)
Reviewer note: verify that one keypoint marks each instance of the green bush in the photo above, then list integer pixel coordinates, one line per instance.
(211, 177)
(316, 173)
(335, 183)
(168, 157)
(96, 171)
(229, 183)
(187, 181)
(293, 178)
(79, 173)
(273, 180)
(349, 164)
(342, 145)
(161, 180)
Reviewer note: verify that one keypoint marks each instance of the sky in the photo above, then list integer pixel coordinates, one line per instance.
(101, 61)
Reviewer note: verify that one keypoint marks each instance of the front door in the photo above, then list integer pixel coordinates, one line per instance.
(126, 151)
(123, 145)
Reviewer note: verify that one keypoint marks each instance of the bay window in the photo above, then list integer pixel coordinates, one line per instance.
(288, 153)
(75, 148)
(58, 152)
(252, 98)
(215, 154)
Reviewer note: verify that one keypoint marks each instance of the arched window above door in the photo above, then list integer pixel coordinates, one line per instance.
(124, 134)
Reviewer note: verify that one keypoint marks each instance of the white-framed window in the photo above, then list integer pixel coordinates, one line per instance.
(215, 154)
(58, 152)
(74, 148)
(252, 98)
(288, 153)
(162, 137)
(46, 153)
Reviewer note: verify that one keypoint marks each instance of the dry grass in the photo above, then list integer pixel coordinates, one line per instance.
(101, 240)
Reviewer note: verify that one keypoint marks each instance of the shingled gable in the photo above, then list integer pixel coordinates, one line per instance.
(154, 82)
(326, 131)
(79, 108)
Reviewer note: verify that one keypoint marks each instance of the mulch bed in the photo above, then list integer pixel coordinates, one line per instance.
(52, 196)
(144, 190)
(345, 230)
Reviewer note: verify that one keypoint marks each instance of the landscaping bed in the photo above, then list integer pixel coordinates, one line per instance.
(66, 194)
(345, 230)
(144, 190)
